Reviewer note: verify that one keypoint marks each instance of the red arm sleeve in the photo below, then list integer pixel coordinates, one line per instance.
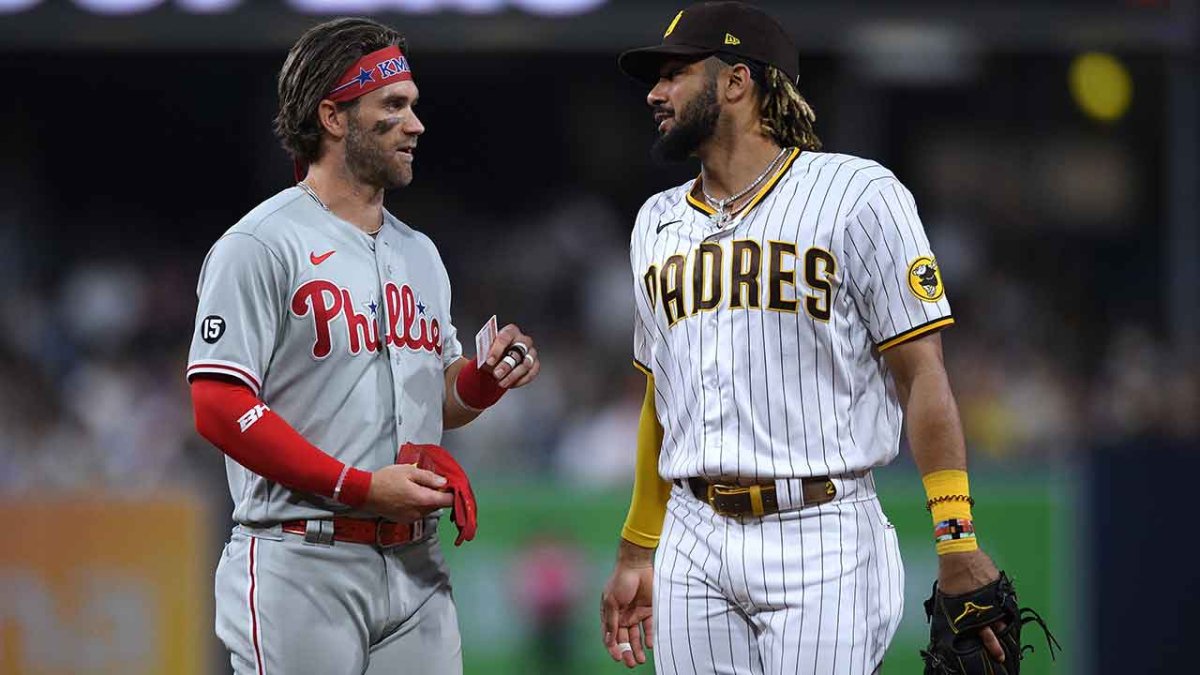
(243, 427)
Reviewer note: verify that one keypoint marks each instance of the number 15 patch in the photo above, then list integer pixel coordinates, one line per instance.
(212, 328)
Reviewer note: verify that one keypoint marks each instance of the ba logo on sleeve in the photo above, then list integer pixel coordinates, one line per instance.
(251, 416)
(212, 328)
(925, 280)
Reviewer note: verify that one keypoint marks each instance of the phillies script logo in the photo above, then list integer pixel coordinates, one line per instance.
(407, 325)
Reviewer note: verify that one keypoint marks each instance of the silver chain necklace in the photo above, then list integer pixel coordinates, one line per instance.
(311, 193)
(720, 218)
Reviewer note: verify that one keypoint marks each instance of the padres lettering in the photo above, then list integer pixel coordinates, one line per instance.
(407, 326)
(710, 264)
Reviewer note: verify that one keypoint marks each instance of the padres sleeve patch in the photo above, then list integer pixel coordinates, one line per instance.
(925, 280)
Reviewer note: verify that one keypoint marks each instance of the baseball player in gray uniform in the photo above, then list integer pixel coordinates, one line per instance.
(788, 309)
(323, 343)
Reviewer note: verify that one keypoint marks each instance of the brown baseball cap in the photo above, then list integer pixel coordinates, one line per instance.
(709, 28)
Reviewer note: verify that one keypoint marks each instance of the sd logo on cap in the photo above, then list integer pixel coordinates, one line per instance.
(710, 28)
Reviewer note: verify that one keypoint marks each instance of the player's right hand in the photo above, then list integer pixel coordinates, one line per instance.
(965, 572)
(626, 605)
(403, 493)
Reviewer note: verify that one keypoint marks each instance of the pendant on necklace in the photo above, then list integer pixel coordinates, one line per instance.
(719, 219)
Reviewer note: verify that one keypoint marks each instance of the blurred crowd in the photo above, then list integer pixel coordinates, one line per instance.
(92, 393)
(1048, 229)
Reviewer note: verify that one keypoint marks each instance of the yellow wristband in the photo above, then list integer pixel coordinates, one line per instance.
(949, 495)
(948, 483)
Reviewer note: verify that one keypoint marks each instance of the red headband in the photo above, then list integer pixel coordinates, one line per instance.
(372, 71)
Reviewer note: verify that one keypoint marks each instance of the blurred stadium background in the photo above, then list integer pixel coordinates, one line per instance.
(1051, 146)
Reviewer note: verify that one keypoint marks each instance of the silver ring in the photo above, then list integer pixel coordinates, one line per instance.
(528, 360)
(519, 346)
(509, 361)
(624, 647)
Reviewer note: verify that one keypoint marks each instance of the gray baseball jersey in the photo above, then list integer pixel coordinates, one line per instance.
(764, 336)
(344, 335)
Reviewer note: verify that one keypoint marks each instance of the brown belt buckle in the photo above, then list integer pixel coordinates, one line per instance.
(754, 492)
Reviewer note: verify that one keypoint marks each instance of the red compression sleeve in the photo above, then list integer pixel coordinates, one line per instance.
(232, 418)
(477, 389)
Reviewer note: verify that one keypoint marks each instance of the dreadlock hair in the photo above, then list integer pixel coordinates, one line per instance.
(785, 115)
(312, 68)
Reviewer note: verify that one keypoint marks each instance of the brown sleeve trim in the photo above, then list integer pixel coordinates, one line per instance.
(913, 333)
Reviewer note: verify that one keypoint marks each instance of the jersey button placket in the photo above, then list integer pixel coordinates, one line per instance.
(716, 349)
(710, 380)
(385, 270)
(389, 263)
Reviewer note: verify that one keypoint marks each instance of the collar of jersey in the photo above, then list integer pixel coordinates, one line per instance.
(758, 197)
(388, 219)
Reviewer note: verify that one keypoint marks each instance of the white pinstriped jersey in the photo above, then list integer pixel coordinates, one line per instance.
(764, 336)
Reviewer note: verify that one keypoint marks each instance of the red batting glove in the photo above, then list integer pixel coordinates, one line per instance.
(435, 458)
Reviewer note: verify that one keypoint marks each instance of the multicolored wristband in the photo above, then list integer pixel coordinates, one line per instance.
(956, 535)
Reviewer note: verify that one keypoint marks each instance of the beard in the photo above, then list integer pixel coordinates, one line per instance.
(371, 160)
(693, 126)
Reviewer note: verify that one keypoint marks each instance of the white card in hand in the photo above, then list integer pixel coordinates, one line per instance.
(483, 341)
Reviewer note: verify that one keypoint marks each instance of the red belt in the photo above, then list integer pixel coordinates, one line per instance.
(374, 531)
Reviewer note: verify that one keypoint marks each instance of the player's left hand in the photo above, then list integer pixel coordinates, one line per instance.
(961, 624)
(513, 359)
(964, 572)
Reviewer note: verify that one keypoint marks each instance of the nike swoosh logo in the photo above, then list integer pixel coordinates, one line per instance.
(318, 259)
(662, 225)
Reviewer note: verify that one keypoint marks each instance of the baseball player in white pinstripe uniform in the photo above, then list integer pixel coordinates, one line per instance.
(788, 309)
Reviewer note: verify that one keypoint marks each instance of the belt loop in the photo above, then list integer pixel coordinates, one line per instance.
(790, 493)
(756, 503)
(317, 531)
